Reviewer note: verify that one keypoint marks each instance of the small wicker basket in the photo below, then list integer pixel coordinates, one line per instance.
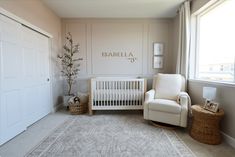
(78, 108)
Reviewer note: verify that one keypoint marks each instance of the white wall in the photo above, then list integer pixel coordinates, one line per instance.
(35, 12)
(135, 36)
(226, 93)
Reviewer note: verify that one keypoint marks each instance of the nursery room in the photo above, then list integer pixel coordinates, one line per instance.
(104, 78)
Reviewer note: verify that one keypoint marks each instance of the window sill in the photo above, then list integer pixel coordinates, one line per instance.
(229, 84)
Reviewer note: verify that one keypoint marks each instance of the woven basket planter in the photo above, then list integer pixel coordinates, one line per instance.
(78, 108)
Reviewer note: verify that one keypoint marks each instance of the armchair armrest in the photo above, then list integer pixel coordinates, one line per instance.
(149, 95)
(183, 99)
(185, 102)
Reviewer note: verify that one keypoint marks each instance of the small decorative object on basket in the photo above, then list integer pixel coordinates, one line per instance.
(211, 106)
(76, 107)
(209, 93)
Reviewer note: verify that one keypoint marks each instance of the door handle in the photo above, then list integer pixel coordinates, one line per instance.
(48, 79)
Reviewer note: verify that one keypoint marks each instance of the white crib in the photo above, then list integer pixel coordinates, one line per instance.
(116, 93)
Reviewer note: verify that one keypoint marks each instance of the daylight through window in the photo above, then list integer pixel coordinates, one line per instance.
(216, 43)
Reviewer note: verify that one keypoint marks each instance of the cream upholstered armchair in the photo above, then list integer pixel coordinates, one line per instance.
(167, 102)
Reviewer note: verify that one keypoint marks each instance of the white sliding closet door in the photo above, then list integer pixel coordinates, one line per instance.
(24, 78)
(11, 107)
(36, 93)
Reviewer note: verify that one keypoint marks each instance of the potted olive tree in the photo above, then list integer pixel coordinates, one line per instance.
(70, 65)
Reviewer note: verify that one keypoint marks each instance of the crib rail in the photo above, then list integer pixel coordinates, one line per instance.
(117, 93)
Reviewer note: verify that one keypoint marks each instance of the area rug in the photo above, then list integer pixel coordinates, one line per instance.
(110, 136)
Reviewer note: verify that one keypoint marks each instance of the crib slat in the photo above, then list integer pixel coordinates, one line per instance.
(126, 93)
(131, 85)
(100, 100)
(109, 94)
(105, 94)
(113, 92)
(137, 93)
(97, 93)
(121, 93)
(142, 89)
(93, 91)
(134, 92)
(128, 84)
(118, 94)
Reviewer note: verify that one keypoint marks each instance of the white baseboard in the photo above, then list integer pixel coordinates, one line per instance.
(228, 139)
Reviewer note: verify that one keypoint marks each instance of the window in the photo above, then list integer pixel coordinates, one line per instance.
(215, 44)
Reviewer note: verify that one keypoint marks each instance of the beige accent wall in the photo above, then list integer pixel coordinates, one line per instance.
(226, 92)
(35, 12)
(120, 35)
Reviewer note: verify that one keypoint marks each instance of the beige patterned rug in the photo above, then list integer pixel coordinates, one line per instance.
(110, 136)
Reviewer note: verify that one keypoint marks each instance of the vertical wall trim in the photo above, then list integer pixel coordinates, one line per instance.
(86, 49)
(148, 52)
(92, 71)
(142, 54)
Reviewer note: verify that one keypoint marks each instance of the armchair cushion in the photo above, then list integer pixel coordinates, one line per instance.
(167, 86)
(164, 105)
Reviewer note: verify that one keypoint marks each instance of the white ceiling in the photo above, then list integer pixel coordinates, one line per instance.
(114, 8)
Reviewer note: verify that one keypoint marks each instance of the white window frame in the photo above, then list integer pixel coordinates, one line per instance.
(194, 52)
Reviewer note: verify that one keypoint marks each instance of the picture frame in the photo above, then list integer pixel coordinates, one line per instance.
(158, 48)
(211, 106)
(158, 62)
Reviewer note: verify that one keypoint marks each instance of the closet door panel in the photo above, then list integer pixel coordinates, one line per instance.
(11, 54)
(11, 66)
(42, 59)
(12, 106)
(29, 76)
(36, 62)
(11, 80)
(30, 105)
(29, 57)
(43, 74)
(24, 78)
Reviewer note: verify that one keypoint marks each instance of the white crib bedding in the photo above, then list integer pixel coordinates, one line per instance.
(117, 94)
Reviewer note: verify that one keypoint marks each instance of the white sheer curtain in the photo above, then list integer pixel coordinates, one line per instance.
(184, 40)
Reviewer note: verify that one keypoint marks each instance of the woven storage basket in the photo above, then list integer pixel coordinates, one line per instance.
(78, 108)
(205, 126)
